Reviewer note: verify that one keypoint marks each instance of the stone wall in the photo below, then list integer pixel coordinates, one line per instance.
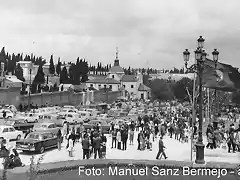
(12, 96)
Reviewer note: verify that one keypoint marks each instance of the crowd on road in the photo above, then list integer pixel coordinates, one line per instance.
(174, 122)
(151, 123)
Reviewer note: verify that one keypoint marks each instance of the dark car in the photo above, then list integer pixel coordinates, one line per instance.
(37, 142)
(93, 123)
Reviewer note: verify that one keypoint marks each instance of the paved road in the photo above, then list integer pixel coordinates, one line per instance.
(175, 151)
(74, 175)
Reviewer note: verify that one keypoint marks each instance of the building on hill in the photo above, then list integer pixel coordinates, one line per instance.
(117, 80)
(46, 68)
(170, 76)
(8, 81)
(28, 66)
(12, 81)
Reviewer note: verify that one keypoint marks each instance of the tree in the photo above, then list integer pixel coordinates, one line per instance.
(236, 97)
(161, 90)
(51, 66)
(40, 77)
(71, 73)
(84, 71)
(64, 76)
(58, 68)
(19, 73)
(179, 89)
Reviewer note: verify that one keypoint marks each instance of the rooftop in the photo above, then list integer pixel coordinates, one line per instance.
(116, 69)
(143, 87)
(129, 78)
(103, 81)
(13, 79)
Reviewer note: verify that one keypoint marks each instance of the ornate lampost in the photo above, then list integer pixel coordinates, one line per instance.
(200, 56)
(215, 54)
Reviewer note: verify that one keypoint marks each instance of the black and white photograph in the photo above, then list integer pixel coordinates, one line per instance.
(119, 89)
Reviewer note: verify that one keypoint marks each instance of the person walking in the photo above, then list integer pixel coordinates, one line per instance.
(161, 149)
(114, 138)
(119, 139)
(96, 146)
(70, 145)
(85, 146)
(131, 132)
(231, 139)
(124, 139)
(138, 140)
(59, 139)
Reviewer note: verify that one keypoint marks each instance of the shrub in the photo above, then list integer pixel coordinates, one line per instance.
(34, 168)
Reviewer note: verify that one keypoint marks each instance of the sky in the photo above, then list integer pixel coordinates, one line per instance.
(148, 33)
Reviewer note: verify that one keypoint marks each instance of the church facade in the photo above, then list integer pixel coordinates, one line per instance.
(116, 80)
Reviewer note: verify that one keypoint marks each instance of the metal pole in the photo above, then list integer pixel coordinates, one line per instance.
(107, 94)
(215, 105)
(199, 144)
(193, 113)
(29, 91)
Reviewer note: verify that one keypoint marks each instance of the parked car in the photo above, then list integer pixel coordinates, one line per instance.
(46, 127)
(19, 124)
(10, 133)
(66, 111)
(52, 118)
(37, 142)
(93, 123)
(85, 116)
(73, 118)
(31, 118)
(9, 113)
(105, 117)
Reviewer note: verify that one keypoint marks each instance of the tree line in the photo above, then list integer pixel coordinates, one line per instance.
(165, 90)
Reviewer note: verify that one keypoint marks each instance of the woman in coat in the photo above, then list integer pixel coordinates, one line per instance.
(119, 139)
(210, 140)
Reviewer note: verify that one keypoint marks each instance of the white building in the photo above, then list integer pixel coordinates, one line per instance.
(28, 67)
(12, 81)
(116, 80)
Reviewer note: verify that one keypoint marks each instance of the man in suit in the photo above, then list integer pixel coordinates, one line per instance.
(161, 149)
(96, 146)
(85, 146)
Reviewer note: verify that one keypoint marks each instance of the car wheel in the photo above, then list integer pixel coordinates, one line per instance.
(42, 149)
(18, 137)
(36, 121)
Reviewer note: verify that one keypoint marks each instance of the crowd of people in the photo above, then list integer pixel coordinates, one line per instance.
(173, 121)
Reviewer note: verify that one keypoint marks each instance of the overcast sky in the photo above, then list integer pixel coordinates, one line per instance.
(147, 32)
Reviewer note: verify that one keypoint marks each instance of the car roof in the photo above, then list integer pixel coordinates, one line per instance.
(4, 126)
(46, 123)
(40, 132)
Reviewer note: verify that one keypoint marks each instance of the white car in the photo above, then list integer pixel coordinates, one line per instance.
(63, 112)
(10, 133)
(9, 114)
(31, 118)
(73, 118)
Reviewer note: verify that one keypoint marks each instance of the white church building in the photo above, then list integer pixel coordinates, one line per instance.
(117, 80)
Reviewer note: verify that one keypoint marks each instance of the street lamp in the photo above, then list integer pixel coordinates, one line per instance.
(215, 54)
(200, 56)
(29, 89)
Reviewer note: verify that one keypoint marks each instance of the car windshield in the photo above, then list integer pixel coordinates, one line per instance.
(44, 126)
(34, 136)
